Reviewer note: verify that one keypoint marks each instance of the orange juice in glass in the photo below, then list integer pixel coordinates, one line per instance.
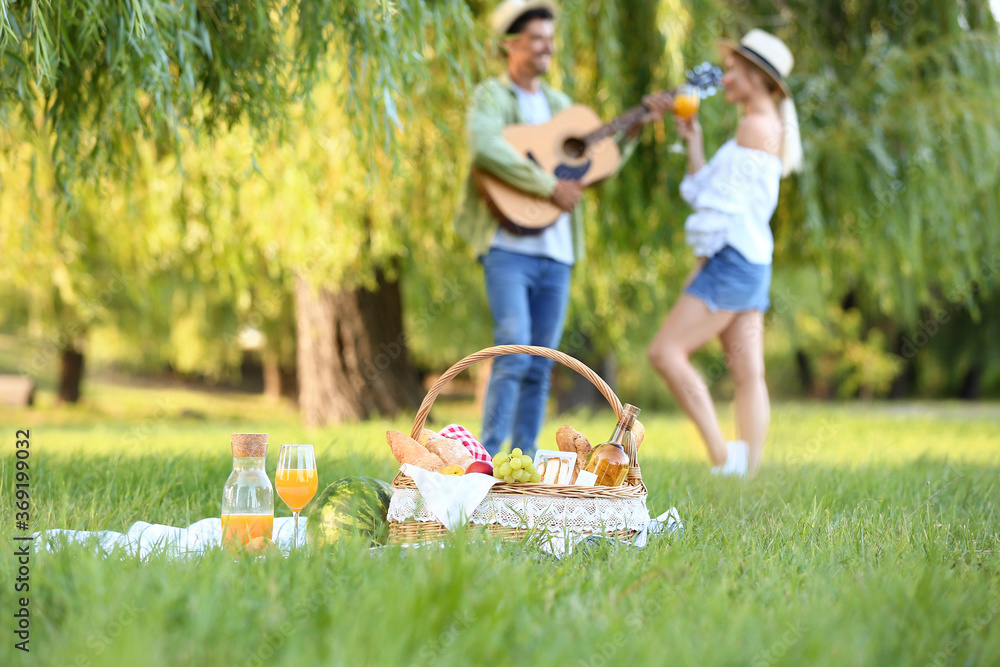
(686, 102)
(296, 480)
(296, 487)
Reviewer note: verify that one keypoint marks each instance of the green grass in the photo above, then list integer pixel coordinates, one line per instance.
(870, 537)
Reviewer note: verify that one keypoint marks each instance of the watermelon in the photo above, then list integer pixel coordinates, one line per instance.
(352, 505)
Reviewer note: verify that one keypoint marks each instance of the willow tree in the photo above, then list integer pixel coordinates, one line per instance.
(893, 219)
(96, 83)
(895, 213)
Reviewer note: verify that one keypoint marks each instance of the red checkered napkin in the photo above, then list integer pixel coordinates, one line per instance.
(462, 434)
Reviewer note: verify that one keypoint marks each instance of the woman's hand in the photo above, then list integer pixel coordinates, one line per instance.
(688, 130)
(698, 265)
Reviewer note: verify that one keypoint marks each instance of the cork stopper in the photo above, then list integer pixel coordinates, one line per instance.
(630, 413)
(249, 444)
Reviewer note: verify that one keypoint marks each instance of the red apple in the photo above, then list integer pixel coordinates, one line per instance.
(480, 466)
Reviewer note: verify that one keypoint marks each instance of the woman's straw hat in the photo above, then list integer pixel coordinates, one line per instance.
(509, 11)
(766, 52)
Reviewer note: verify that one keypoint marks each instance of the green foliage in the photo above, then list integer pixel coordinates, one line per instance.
(892, 213)
(142, 135)
(145, 143)
(100, 76)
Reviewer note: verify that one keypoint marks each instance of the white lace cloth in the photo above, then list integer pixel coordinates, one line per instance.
(554, 515)
(559, 545)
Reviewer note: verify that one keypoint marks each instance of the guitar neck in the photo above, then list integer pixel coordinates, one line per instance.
(622, 122)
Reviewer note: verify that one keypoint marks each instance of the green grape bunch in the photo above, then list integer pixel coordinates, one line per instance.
(515, 467)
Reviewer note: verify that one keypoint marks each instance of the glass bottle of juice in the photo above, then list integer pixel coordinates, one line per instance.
(608, 462)
(247, 497)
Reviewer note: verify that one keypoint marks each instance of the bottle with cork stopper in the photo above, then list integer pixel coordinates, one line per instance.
(247, 497)
(609, 462)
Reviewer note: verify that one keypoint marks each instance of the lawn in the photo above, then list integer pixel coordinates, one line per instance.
(872, 536)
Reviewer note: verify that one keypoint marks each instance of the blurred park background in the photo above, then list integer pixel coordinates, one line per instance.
(257, 195)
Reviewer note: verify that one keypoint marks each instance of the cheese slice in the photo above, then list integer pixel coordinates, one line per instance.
(552, 469)
(565, 471)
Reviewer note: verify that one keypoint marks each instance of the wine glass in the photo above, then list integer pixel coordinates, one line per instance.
(687, 98)
(296, 481)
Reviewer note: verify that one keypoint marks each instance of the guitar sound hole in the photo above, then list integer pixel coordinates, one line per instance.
(574, 148)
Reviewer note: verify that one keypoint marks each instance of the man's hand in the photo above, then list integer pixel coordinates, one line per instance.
(657, 105)
(567, 194)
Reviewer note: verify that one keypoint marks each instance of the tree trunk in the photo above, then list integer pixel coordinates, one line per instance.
(352, 354)
(903, 383)
(271, 370)
(805, 373)
(289, 382)
(71, 374)
(972, 384)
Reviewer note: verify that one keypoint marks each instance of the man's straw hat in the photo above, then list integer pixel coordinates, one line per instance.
(766, 52)
(509, 11)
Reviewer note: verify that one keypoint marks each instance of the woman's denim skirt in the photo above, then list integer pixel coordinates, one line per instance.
(729, 282)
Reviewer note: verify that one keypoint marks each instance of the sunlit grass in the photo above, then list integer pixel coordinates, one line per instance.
(872, 536)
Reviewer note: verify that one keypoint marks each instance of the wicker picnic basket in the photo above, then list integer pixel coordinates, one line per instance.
(512, 510)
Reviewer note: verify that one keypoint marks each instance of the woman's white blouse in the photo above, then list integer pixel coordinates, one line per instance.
(733, 197)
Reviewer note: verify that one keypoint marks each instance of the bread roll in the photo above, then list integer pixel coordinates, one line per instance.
(408, 450)
(425, 435)
(452, 452)
(638, 432)
(571, 440)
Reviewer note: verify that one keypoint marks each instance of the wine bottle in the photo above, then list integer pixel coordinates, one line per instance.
(608, 462)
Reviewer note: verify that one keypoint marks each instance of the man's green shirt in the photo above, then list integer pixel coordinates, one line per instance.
(494, 106)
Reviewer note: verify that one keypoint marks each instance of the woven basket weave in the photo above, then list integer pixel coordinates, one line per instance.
(412, 531)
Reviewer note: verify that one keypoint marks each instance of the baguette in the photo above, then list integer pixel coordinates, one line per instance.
(571, 440)
(452, 452)
(408, 450)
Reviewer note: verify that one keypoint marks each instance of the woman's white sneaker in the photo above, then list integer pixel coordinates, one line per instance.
(737, 461)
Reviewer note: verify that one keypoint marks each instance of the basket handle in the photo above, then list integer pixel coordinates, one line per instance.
(499, 351)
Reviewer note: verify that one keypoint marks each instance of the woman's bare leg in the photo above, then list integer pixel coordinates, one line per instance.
(688, 327)
(743, 344)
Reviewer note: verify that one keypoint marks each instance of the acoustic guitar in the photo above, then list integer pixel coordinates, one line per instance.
(574, 145)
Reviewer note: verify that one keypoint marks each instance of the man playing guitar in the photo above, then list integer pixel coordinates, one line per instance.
(527, 274)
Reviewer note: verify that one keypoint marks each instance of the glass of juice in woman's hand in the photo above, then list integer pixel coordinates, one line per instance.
(687, 99)
(296, 481)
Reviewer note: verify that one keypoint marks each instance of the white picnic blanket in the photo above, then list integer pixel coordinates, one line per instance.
(144, 539)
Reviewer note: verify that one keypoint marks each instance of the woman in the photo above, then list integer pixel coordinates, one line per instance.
(733, 197)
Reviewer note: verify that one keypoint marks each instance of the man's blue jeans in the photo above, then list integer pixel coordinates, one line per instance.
(528, 298)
